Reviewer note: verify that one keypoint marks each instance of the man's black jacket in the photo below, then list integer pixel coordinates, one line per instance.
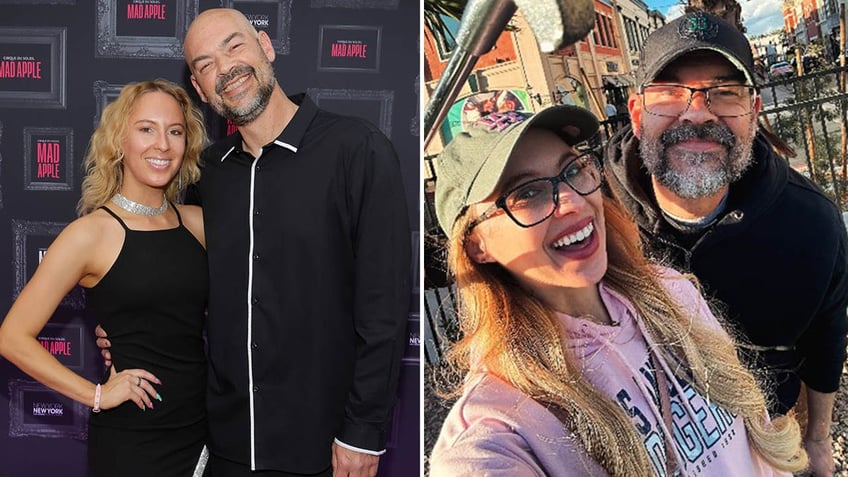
(776, 259)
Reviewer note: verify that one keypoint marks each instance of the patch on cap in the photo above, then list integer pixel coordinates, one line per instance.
(498, 121)
(572, 131)
(697, 26)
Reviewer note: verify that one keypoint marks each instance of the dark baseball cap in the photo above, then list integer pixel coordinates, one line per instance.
(694, 31)
(469, 168)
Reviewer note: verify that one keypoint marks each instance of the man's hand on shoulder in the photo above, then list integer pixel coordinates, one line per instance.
(349, 463)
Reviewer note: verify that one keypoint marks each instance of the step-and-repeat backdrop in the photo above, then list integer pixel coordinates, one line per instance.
(62, 61)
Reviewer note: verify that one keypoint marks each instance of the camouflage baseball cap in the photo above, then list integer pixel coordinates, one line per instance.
(470, 166)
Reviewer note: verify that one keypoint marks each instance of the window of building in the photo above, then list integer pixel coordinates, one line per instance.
(613, 36)
(630, 31)
(604, 33)
(595, 30)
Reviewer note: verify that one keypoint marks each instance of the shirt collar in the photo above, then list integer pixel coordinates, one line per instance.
(294, 132)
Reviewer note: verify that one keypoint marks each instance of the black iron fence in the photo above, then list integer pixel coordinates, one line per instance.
(808, 113)
(805, 118)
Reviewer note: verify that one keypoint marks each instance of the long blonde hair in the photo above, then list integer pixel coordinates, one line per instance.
(515, 336)
(103, 161)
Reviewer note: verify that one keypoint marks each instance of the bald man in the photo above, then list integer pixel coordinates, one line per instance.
(308, 241)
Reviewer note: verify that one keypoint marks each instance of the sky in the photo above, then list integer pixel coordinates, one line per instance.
(758, 16)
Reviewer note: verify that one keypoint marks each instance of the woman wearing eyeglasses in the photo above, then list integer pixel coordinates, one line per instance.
(580, 357)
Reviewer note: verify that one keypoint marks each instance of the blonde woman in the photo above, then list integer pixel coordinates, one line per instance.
(142, 261)
(581, 358)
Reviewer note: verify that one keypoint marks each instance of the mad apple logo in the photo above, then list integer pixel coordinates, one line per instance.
(48, 159)
(25, 67)
(64, 342)
(146, 18)
(350, 48)
(48, 153)
(231, 127)
(25, 62)
(56, 347)
(146, 10)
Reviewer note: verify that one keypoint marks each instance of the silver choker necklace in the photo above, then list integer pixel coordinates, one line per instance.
(140, 209)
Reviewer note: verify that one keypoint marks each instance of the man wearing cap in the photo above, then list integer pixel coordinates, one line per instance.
(711, 197)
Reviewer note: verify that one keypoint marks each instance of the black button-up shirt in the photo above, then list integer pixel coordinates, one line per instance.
(309, 254)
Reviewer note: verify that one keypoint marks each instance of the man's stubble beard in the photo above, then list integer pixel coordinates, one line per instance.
(695, 175)
(246, 114)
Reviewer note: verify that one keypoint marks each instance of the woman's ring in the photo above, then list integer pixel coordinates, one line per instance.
(138, 383)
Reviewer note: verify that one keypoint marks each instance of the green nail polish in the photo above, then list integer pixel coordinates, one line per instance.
(158, 397)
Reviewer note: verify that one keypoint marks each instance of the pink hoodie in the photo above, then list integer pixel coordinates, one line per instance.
(496, 430)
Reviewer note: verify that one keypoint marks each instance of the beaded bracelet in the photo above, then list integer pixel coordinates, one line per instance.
(96, 407)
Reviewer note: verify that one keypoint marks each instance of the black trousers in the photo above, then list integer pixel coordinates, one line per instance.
(220, 467)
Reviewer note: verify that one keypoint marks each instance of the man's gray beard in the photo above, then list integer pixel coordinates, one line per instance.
(249, 112)
(696, 174)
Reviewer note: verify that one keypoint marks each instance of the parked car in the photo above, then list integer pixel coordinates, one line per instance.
(781, 69)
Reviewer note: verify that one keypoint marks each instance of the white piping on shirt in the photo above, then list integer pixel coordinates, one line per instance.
(250, 315)
(227, 153)
(285, 145)
(250, 300)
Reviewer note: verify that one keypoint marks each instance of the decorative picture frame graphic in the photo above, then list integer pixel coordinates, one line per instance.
(104, 93)
(37, 411)
(372, 105)
(20, 49)
(277, 13)
(381, 4)
(31, 238)
(118, 37)
(349, 48)
(36, 167)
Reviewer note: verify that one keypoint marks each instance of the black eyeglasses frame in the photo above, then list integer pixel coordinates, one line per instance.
(500, 202)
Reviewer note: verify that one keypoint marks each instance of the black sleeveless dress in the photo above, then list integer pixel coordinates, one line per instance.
(152, 303)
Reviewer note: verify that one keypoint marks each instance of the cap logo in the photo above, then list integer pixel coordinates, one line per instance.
(496, 122)
(571, 131)
(697, 26)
